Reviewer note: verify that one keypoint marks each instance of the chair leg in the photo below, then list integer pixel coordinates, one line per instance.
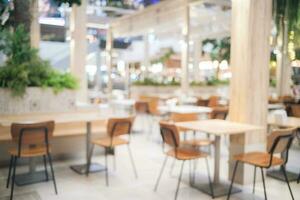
(179, 180)
(115, 160)
(232, 180)
(9, 171)
(132, 162)
(13, 177)
(106, 168)
(45, 166)
(172, 167)
(209, 179)
(264, 184)
(160, 173)
(287, 180)
(52, 172)
(298, 178)
(254, 180)
(195, 170)
(87, 171)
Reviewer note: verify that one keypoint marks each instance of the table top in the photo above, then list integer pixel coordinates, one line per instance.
(218, 127)
(184, 109)
(287, 121)
(63, 117)
(123, 102)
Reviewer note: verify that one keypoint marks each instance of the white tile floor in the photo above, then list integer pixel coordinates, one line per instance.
(123, 185)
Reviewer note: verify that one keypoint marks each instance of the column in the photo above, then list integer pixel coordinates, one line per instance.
(108, 56)
(250, 55)
(34, 24)
(185, 50)
(197, 54)
(78, 47)
(283, 70)
(98, 75)
(146, 62)
(127, 79)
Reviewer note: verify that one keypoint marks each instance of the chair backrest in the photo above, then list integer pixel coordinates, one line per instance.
(183, 117)
(219, 113)
(29, 134)
(202, 102)
(119, 126)
(152, 103)
(213, 101)
(279, 141)
(169, 134)
(287, 99)
(295, 110)
(141, 106)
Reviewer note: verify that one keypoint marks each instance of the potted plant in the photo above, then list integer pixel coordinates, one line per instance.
(28, 83)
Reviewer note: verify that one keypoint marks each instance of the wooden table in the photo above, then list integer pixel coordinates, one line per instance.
(185, 109)
(218, 128)
(85, 116)
(287, 122)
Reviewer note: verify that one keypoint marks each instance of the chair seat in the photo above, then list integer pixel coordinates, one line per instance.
(29, 152)
(108, 141)
(197, 142)
(260, 159)
(186, 154)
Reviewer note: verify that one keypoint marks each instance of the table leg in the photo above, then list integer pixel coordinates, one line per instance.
(32, 176)
(219, 188)
(94, 167)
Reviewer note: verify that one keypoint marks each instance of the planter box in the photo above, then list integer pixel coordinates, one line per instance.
(37, 100)
(205, 91)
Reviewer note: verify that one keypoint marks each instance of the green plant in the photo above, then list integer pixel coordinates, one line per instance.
(69, 2)
(164, 57)
(24, 68)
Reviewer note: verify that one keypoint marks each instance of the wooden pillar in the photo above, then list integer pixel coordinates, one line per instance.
(185, 50)
(250, 56)
(34, 24)
(78, 48)
(108, 56)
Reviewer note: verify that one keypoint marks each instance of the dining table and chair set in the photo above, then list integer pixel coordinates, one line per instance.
(188, 133)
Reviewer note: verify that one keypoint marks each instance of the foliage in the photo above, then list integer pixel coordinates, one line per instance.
(286, 14)
(24, 68)
(214, 81)
(286, 10)
(151, 82)
(164, 57)
(220, 49)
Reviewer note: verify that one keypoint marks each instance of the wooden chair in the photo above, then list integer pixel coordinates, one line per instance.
(220, 112)
(213, 101)
(202, 102)
(170, 136)
(142, 107)
(116, 128)
(31, 140)
(279, 142)
(295, 109)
